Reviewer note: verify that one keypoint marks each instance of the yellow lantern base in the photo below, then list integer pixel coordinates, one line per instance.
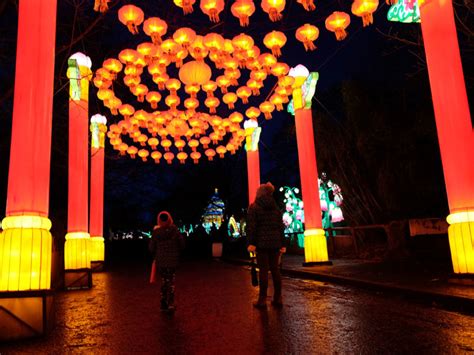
(25, 253)
(461, 239)
(77, 261)
(26, 314)
(315, 248)
(96, 248)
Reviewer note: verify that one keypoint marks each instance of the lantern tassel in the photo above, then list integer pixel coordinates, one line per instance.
(101, 5)
(274, 15)
(276, 51)
(187, 7)
(214, 16)
(156, 38)
(309, 46)
(367, 20)
(309, 5)
(244, 21)
(341, 34)
(132, 28)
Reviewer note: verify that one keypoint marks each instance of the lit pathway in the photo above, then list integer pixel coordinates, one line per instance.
(214, 316)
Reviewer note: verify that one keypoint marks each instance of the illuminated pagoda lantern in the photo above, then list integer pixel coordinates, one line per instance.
(213, 215)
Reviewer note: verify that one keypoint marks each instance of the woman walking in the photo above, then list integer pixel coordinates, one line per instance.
(265, 231)
(165, 245)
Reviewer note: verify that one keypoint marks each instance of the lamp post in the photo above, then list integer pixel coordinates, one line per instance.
(77, 261)
(26, 242)
(454, 125)
(98, 129)
(304, 86)
(252, 134)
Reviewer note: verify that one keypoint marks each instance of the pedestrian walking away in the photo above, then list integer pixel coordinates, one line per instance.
(265, 232)
(166, 244)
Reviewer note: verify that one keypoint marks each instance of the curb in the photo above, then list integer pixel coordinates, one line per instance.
(438, 299)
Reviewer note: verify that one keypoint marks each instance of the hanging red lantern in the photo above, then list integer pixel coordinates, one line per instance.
(275, 40)
(212, 8)
(186, 5)
(365, 9)
(273, 8)
(184, 36)
(243, 9)
(307, 34)
(337, 22)
(155, 28)
(195, 72)
(131, 16)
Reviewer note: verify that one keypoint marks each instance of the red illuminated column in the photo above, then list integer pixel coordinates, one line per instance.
(315, 246)
(98, 129)
(76, 250)
(453, 122)
(252, 134)
(26, 243)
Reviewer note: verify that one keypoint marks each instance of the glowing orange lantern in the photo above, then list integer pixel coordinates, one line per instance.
(156, 156)
(193, 144)
(267, 108)
(184, 36)
(212, 103)
(307, 34)
(132, 70)
(197, 49)
(192, 89)
(132, 151)
(126, 110)
(142, 139)
(233, 75)
(170, 48)
(255, 86)
(123, 148)
(166, 144)
(230, 99)
(242, 42)
(231, 148)
(283, 92)
(160, 80)
(277, 100)
(113, 66)
(146, 49)
(153, 97)
(275, 40)
(191, 104)
(337, 22)
(131, 16)
(258, 75)
(273, 8)
(195, 72)
(140, 91)
(173, 85)
(280, 69)
(182, 156)
(236, 117)
(153, 143)
(131, 80)
(205, 141)
(221, 150)
(244, 93)
(105, 94)
(186, 5)
(243, 9)
(113, 104)
(143, 153)
(172, 101)
(210, 153)
(365, 9)
(307, 4)
(214, 42)
(155, 28)
(195, 156)
(180, 144)
(209, 88)
(169, 157)
(267, 60)
(252, 113)
(212, 8)
(223, 82)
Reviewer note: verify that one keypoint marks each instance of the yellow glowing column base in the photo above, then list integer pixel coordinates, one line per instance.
(315, 247)
(97, 248)
(461, 238)
(76, 251)
(25, 253)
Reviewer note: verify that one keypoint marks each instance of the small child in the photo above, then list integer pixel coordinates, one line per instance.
(165, 245)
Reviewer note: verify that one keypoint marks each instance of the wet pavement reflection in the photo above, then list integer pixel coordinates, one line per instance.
(121, 315)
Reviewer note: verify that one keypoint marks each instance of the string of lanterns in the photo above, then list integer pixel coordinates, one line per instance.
(337, 22)
(189, 132)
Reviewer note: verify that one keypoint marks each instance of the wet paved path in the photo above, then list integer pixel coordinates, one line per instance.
(120, 315)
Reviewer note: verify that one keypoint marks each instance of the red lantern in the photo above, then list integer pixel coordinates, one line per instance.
(131, 16)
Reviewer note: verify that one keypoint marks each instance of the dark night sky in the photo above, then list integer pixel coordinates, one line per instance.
(136, 191)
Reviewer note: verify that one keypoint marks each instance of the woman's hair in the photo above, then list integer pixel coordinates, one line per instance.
(164, 219)
(265, 190)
